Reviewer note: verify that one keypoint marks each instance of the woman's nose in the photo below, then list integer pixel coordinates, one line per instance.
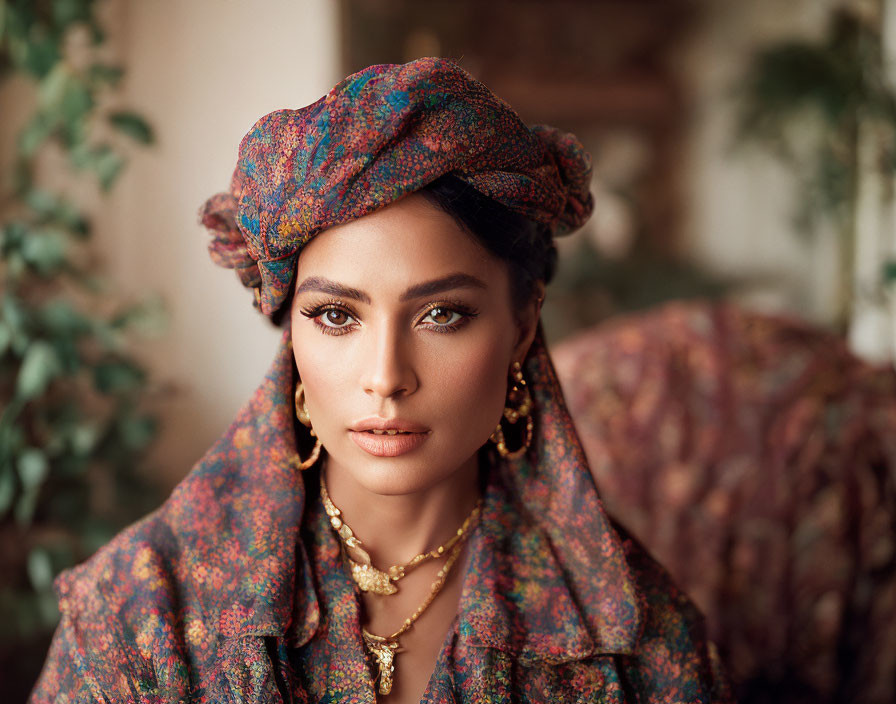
(388, 368)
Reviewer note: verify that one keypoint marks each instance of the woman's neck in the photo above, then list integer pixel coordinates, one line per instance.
(393, 529)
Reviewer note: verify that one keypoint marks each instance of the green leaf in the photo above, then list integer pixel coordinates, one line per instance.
(110, 338)
(51, 207)
(84, 438)
(133, 126)
(65, 94)
(67, 102)
(52, 88)
(40, 569)
(14, 315)
(117, 376)
(35, 133)
(105, 73)
(77, 102)
(69, 354)
(104, 161)
(41, 201)
(12, 234)
(40, 53)
(60, 318)
(45, 250)
(5, 338)
(25, 507)
(107, 168)
(33, 468)
(22, 175)
(137, 431)
(38, 369)
(48, 609)
(68, 12)
(7, 487)
(889, 271)
(149, 317)
(16, 266)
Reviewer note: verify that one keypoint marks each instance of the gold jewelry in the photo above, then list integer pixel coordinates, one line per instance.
(313, 457)
(305, 419)
(518, 394)
(383, 649)
(301, 408)
(365, 575)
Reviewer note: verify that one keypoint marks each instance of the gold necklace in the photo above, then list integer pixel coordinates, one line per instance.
(365, 575)
(384, 648)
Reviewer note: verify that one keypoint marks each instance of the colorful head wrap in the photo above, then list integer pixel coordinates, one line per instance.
(380, 134)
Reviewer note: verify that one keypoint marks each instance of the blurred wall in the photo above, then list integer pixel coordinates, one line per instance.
(741, 205)
(202, 72)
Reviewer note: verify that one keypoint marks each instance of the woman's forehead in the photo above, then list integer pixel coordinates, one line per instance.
(404, 244)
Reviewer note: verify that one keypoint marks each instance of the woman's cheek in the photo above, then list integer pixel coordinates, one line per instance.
(323, 382)
(473, 385)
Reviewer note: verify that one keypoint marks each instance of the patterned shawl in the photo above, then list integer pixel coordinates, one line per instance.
(186, 602)
(380, 134)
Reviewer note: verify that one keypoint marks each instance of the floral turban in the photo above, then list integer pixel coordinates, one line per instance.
(378, 135)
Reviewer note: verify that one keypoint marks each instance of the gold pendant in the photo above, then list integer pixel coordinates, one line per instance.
(370, 579)
(383, 652)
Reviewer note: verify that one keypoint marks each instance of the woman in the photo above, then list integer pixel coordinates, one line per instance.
(399, 229)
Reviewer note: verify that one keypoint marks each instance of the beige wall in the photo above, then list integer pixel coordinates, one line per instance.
(202, 72)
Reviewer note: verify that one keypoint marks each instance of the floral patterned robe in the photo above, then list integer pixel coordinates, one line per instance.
(234, 590)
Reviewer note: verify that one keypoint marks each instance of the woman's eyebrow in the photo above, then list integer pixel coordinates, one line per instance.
(322, 285)
(444, 283)
(427, 288)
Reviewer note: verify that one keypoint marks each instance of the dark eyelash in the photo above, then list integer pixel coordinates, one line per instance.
(316, 310)
(454, 306)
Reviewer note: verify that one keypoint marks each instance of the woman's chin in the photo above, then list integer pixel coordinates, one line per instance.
(399, 475)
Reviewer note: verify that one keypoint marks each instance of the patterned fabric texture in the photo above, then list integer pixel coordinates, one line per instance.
(756, 457)
(234, 591)
(378, 135)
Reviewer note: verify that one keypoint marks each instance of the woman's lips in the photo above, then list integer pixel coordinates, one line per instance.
(388, 445)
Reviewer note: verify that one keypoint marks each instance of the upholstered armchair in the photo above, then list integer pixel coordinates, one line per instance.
(755, 457)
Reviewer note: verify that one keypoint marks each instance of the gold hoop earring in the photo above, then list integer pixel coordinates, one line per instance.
(305, 419)
(315, 455)
(519, 395)
(301, 408)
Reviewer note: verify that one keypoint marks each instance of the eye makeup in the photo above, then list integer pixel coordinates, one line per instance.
(317, 312)
(465, 312)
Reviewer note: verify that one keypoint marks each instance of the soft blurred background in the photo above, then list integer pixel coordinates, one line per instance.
(744, 161)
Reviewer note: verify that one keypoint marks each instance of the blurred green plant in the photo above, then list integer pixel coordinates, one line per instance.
(810, 105)
(590, 287)
(72, 423)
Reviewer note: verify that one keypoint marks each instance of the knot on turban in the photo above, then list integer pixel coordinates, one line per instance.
(378, 135)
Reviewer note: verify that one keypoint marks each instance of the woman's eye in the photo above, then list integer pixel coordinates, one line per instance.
(335, 318)
(443, 316)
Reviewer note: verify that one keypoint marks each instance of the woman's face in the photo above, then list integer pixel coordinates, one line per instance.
(403, 322)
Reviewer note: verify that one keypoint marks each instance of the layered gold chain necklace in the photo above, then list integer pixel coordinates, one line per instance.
(382, 649)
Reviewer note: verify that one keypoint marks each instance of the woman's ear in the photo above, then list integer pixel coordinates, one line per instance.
(528, 323)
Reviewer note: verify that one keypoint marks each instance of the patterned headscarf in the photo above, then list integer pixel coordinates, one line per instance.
(380, 134)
